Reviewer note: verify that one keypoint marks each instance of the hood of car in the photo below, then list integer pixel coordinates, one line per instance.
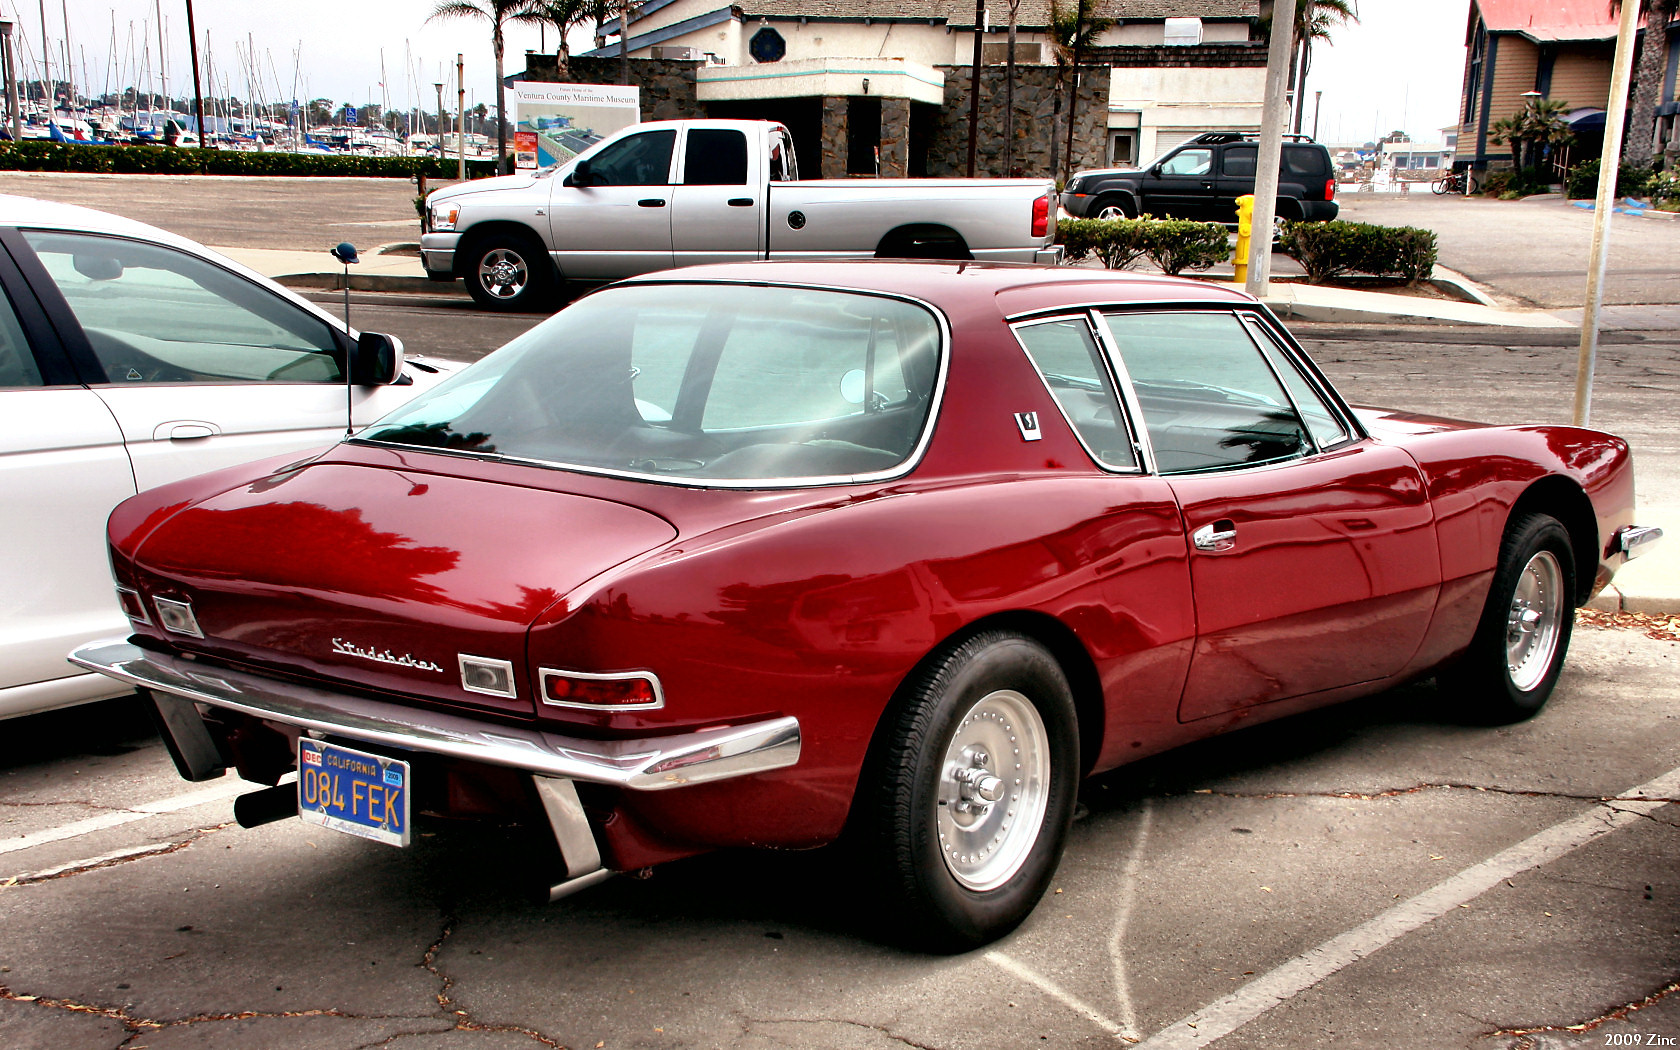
(393, 580)
(516, 181)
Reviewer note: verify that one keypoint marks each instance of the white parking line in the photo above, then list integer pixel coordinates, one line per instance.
(227, 787)
(1050, 988)
(1310, 967)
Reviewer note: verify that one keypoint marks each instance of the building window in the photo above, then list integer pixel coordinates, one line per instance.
(767, 45)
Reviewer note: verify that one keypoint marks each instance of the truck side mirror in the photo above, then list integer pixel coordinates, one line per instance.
(580, 176)
(377, 360)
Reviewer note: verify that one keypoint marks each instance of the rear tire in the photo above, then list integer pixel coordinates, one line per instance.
(966, 802)
(1514, 660)
(510, 271)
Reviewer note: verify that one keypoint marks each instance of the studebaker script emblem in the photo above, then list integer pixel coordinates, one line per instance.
(344, 648)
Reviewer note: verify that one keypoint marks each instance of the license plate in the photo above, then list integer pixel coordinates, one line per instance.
(353, 792)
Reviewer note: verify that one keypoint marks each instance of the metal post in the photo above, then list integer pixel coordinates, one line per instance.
(13, 110)
(439, 137)
(1318, 100)
(460, 119)
(1599, 258)
(974, 88)
(1274, 117)
(198, 91)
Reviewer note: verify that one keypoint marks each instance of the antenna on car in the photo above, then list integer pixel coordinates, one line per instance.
(345, 252)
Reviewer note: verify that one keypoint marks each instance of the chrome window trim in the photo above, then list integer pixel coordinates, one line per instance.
(1128, 392)
(1256, 331)
(908, 464)
(1083, 317)
(1303, 362)
(505, 666)
(545, 673)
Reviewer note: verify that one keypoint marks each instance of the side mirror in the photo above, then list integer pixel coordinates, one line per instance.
(580, 176)
(377, 360)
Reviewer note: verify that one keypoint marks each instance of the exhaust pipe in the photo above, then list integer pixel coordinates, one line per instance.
(266, 806)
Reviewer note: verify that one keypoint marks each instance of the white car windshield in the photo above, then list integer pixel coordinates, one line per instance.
(703, 382)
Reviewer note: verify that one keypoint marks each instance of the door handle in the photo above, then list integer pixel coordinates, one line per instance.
(651, 202)
(1219, 536)
(740, 202)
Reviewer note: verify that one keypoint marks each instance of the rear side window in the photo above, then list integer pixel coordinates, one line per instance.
(1306, 160)
(1238, 160)
(1068, 358)
(17, 364)
(716, 157)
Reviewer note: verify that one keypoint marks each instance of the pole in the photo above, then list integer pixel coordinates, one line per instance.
(198, 91)
(46, 63)
(439, 86)
(974, 88)
(1318, 100)
(460, 119)
(9, 61)
(69, 67)
(163, 64)
(1599, 258)
(1273, 118)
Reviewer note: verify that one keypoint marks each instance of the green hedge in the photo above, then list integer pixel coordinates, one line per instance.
(1330, 249)
(1173, 245)
(37, 155)
(1581, 183)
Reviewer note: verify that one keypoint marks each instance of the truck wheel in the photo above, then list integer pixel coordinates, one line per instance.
(509, 271)
(1113, 208)
(968, 799)
(1514, 660)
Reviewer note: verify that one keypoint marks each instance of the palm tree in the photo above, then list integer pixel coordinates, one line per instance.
(564, 16)
(498, 13)
(1639, 147)
(1073, 31)
(1314, 19)
(1539, 125)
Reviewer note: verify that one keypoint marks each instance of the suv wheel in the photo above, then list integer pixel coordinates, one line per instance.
(1112, 208)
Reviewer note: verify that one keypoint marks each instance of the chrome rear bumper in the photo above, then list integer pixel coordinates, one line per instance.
(647, 764)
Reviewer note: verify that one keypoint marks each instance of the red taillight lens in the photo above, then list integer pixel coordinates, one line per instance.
(1330, 188)
(132, 606)
(576, 689)
(1041, 217)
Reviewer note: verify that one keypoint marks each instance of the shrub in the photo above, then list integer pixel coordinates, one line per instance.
(1330, 249)
(1509, 185)
(40, 155)
(1664, 187)
(1174, 245)
(1631, 180)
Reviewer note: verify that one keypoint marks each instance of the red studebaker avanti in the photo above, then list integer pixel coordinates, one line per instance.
(751, 554)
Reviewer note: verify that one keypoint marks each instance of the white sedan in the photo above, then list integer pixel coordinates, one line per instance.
(130, 357)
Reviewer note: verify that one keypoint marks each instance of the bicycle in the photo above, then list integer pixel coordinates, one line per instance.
(1460, 182)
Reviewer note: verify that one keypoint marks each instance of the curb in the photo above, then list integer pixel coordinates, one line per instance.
(1630, 210)
(1613, 600)
(368, 282)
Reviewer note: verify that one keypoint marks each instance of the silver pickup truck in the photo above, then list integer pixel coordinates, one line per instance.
(680, 192)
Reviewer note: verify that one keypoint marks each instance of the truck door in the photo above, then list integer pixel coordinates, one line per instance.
(717, 212)
(1181, 187)
(1236, 179)
(617, 221)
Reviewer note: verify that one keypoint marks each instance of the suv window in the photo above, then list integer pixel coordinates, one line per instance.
(1238, 160)
(1306, 160)
(1188, 162)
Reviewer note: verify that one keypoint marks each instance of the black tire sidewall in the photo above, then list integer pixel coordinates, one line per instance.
(1485, 676)
(944, 914)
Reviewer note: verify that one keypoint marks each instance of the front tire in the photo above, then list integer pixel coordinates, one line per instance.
(970, 792)
(1113, 208)
(507, 271)
(1513, 663)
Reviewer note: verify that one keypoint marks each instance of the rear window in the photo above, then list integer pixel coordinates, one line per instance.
(702, 383)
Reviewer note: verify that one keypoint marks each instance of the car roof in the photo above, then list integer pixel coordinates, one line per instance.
(1018, 288)
(32, 211)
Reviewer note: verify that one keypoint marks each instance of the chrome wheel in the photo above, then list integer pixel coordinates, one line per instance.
(1533, 623)
(993, 789)
(503, 273)
(1111, 211)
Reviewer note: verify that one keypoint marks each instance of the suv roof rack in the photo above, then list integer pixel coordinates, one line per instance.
(1215, 138)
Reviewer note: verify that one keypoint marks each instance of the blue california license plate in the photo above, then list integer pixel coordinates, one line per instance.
(353, 792)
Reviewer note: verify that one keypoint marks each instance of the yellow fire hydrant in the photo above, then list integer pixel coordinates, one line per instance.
(1245, 224)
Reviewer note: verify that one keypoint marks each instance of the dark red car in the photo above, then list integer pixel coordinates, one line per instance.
(748, 555)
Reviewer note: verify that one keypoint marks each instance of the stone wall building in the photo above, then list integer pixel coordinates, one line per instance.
(882, 87)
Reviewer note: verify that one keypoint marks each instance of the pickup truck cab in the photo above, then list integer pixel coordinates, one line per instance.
(681, 192)
(1202, 180)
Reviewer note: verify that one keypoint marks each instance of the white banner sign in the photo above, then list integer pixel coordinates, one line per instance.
(552, 123)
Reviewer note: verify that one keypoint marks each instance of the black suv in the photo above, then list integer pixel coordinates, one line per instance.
(1203, 178)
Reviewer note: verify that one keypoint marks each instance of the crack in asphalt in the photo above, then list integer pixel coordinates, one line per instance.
(882, 1029)
(462, 1019)
(138, 1026)
(1360, 796)
(111, 860)
(1618, 1013)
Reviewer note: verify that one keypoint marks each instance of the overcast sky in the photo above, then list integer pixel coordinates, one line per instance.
(1401, 66)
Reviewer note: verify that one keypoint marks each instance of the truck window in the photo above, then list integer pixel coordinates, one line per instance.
(1189, 162)
(640, 160)
(716, 157)
(1238, 160)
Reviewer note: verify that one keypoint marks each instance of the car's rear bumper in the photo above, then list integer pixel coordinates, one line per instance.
(1320, 211)
(646, 764)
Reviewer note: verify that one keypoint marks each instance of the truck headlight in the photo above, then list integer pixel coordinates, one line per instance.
(444, 215)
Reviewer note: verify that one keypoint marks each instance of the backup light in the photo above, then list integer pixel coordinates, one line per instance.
(133, 606)
(480, 674)
(617, 691)
(177, 616)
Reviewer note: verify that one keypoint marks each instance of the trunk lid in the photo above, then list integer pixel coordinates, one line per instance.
(386, 578)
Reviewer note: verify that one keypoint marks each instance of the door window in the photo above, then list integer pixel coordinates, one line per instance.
(1326, 428)
(157, 315)
(715, 157)
(17, 363)
(640, 160)
(1067, 356)
(1238, 161)
(1209, 400)
(1188, 162)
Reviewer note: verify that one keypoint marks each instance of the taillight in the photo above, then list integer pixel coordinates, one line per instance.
(629, 689)
(1330, 188)
(1041, 217)
(132, 606)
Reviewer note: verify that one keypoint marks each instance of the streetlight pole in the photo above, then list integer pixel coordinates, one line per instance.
(198, 91)
(1318, 100)
(460, 118)
(439, 86)
(10, 67)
